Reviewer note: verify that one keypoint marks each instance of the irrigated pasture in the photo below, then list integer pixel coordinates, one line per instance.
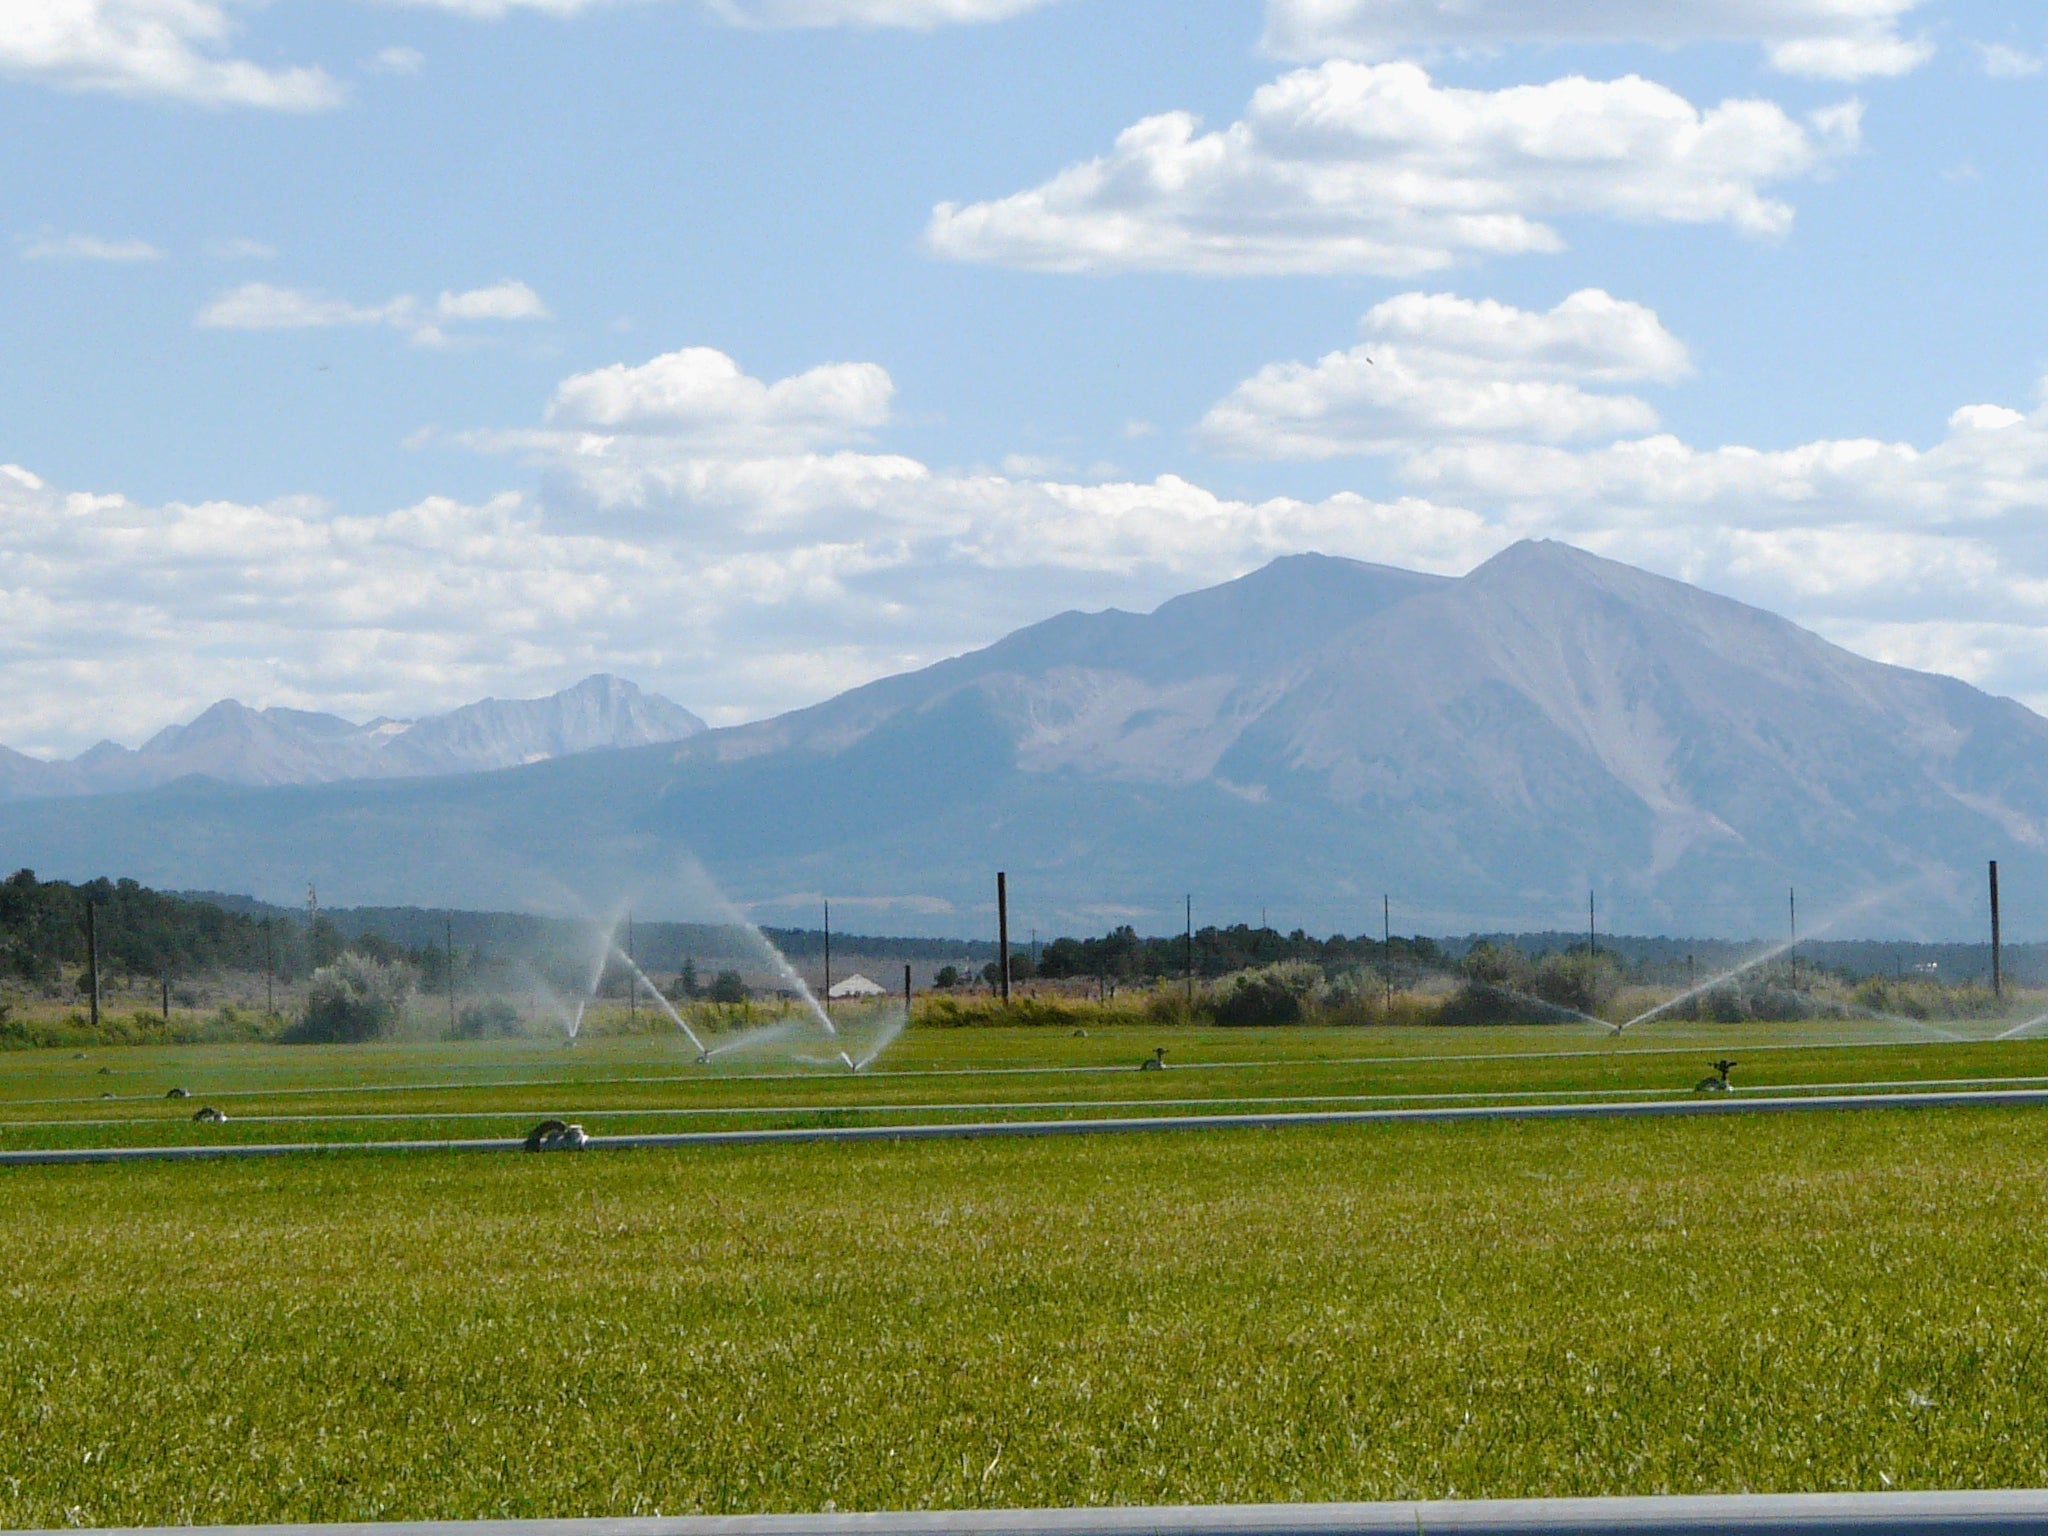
(1851, 1301)
(383, 1092)
(1775, 1303)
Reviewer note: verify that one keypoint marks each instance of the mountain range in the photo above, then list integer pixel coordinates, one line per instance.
(1488, 750)
(238, 745)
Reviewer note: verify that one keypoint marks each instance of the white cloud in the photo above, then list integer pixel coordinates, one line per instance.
(1375, 168)
(1434, 366)
(711, 555)
(266, 307)
(700, 396)
(2002, 61)
(240, 248)
(397, 61)
(55, 247)
(1830, 39)
(172, 49)
(919, 15)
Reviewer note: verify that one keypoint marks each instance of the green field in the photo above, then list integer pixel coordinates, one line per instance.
(116, 1096)
(1774, 1303)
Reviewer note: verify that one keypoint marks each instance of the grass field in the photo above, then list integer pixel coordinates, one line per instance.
(1842, 1302)
(1850, 1301)
(381, 1092)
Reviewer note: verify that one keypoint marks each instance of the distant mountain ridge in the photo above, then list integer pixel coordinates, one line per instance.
(1485, 749)
(238, 745)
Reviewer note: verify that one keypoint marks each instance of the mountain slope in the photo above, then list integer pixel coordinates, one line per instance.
(1319, 732)
(238, 745)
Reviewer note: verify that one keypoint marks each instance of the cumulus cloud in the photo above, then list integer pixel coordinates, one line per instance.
(1434, 366)
(2002, 61)
(745, 562)
(700, 396)
(55, 247)
(266, 307)
(1353, 167)
(920, 15)
(1828, 39)
(172, 49)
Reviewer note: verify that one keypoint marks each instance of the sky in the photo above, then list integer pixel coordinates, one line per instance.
(376, 356)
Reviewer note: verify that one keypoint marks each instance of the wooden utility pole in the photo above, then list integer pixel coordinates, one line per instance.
(1592, 928)
(1191, 948)
(1997, 958)
(632, 979)
(906, 993)
(448, 935)
(1387, 946)
(269, 970)
(827, 1000)
(1003, 935)
(92, 957)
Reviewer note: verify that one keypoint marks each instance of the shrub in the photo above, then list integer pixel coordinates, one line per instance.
(728, 987)
(355, 998)
(495, 1019)
(1276, 994)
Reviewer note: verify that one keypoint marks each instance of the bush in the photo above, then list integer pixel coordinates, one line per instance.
(355, 998)
(495, 1019)
(728, 987)
(1276, 994)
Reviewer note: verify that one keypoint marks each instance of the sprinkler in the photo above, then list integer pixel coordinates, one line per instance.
(1158, 1061)
(1718, 1083)
(177, 1093)
(556, 1136)
(206, 1114)
(851, 1064)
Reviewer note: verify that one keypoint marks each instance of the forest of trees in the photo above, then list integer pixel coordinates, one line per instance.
(146, 934)
(1122, 955)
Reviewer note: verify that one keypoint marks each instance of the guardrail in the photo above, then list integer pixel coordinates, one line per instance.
(1814, 1514)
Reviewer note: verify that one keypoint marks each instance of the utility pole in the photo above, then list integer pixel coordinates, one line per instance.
(1387, 946)
(92, 957)
(827, 1004)
(1792, 907)
(1592, 929)
(632, 979)
(448, 935)
(1997, 959)
(906, 993)
(167, 994)
(1003, 935)
(1191, 948)
(269, 969)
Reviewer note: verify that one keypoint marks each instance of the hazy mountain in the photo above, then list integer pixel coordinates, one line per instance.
(1486, 749)
(238, 745)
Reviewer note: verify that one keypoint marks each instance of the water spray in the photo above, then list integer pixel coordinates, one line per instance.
(666, 1006)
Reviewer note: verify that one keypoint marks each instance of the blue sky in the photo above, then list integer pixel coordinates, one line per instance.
(379, 356)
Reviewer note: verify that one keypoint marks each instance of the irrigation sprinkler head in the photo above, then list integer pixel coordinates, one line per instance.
(206, 1114)
(177, 1093)
(1157, 1062)
(851, 1064)
(1718, 1083)
(556, 1136)
(704, 1057)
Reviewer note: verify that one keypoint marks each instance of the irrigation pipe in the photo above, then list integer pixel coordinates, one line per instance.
(990, 1129)
(2021, 1512)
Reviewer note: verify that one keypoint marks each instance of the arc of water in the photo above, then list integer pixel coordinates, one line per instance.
(668, 1008)
(1762, 957)
(2020, 1029)
(1545, 1004)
